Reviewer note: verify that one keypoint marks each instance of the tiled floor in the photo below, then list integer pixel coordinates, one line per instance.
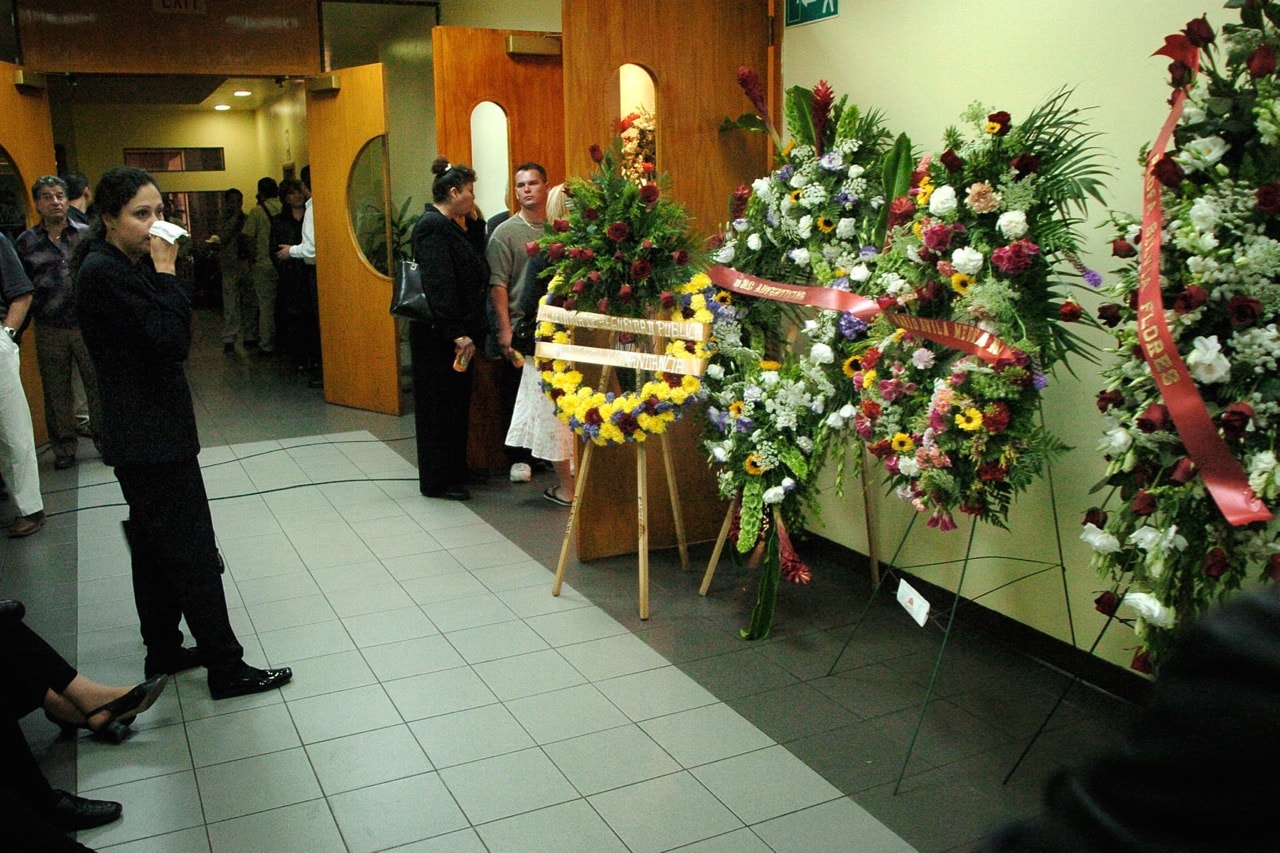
(444, 700)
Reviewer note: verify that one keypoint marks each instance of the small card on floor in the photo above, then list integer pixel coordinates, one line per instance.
(913, 602)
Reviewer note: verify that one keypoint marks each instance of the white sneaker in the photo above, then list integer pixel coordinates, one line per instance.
(521, 473)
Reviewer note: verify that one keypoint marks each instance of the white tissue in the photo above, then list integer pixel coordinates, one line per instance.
(167, 231)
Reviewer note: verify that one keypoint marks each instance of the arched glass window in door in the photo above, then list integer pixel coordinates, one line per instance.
(13, 208)
(492, 156)
(637, 105)
(367, 205)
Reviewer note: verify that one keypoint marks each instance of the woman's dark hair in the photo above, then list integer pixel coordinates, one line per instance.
(267, 188)
(291, 185)
(115, 190)
(449, 177)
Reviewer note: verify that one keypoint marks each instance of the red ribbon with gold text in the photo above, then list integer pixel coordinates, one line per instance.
(1222, 473)
(959, 336)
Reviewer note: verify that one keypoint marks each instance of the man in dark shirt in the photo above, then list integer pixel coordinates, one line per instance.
(79, 197)
(45, 249)
(17, 440)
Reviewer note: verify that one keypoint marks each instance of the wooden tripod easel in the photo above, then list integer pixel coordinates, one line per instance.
(642, 512)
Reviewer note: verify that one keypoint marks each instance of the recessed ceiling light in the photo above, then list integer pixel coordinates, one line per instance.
(222, 107)
(242, 93)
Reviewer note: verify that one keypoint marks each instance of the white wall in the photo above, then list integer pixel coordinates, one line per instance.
(922, 64)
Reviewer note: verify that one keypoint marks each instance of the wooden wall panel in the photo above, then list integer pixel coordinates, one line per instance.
(693, 50)
(233, 37)
(357, 334)
(26, 134)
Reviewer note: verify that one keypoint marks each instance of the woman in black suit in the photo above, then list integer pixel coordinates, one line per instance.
(448, 244)
(135, 314)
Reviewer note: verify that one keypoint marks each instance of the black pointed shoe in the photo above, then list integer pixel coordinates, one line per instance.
(69, 813)
(131, 704)
(244, 680)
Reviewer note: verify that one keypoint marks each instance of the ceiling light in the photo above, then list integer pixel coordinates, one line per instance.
(242, 93)
(222, 107)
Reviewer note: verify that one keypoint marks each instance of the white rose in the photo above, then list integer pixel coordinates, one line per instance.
(719, 453)
(724, 255)
(754, 242)
(855, 171)
(774, 495)
(1115, 441)
(1149, 609)
(1012, 224)
(846, 228)
(1261, 470)
(769, 378)
(1100, 540)
(804, 227)
(715, 371)
(804, 443)
(741, 225)
(967, 260)
(860, 273)
(821, 354)
(1202, 153)
(1206, 362)
(799, 256)
(942, 201)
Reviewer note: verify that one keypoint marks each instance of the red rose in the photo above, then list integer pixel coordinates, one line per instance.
(738, 206)
(641, 269)
(597, 153)
(531, 248)
(1141, 474)
(1143, 503)
(1182, 472)
(555, 251)
(1109, 315)
(560, 225)
(649, 193)
(1142, 662)
(587, 255)
(1179, 74)
(1235, 419)
(591, 214)
(1262, 62)
(579, 286)
(1069, 312)
(1001, 119)
(1168, 172)
(667, 298)
(1154, 419)
(1198, 31)
(646, 244)
(594, 276)
(1107, 603)
(680, 257)
(1096, 516)
(575, 254)
(603, 306)
(624, 293)
(618, 231)
(569, 304)
(1243, 310)
(1023, 165)
(1122, 248)
(901, 209)
(1267, 199)
(1216, 562)
(952, 161)
(1190, 299)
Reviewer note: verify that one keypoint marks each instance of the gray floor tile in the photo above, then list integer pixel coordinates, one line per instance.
(572, 827)
(193, 840)
(368, 758)
(438, 693)
(151, 751)
(764, 784)
(655, 693)
(612, 656)
(501, 640)
(329, 674)
(610, 759)
(505, 785)
(840, 824)
(527, 675)
(567, 713)
(705, 734)
(393, 661)
(154, 806)
(305, 826)
(470, 735)
(663, 813)
(388, 626)
(396, 813)
(256, 784)
(458, 614)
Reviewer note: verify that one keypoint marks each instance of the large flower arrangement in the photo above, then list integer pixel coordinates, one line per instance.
(624, 251)
(771, 382)
(986, 237)
(1160, 535)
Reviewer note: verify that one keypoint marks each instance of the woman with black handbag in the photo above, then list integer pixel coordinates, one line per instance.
(448, 245)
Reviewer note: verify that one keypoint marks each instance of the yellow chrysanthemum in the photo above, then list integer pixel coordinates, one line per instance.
(825, 224)
(702, 315)
(546, 330)
(961, 282)
(902, 443)
(652, 423)
(561, 337)
(770, 365)
(691, 383)
(898, 335)
(850, 366)
(754, 465)
(868, 379)
(926, 190)
(969, 420)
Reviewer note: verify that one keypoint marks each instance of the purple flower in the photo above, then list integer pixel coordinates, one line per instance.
(851, 326)
(1039, 380)
(745, 425)
(868, 252)
(785, 173)
(846, 198)
(1093, 278)
(831, 161)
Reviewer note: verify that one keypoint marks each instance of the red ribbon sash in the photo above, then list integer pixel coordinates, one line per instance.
(1222, 473)
(958, 336)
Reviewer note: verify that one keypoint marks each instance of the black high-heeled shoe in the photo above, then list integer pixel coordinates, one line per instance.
(114, 732)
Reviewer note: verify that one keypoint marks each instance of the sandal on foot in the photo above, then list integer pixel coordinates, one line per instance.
(552, 494)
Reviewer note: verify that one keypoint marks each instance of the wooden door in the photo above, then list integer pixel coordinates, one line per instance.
(693, 51)
(347, 138)
(26, 135)
(473, 66)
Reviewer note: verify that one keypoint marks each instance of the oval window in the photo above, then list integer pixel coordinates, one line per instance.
(367, 206)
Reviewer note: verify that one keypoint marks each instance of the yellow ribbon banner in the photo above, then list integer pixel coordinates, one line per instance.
(676, 329)
(682, 329)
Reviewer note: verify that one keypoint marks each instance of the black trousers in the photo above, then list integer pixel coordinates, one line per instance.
(176, 571)
(29, 668)
(441, 410)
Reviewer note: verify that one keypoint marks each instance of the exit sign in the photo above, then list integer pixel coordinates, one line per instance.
(808, 11)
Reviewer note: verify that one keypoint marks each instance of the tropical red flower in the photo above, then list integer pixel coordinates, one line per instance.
(749, 80)
(738, 206)
(823, 98)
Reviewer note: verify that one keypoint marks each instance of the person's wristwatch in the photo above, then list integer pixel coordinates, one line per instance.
(12, 333)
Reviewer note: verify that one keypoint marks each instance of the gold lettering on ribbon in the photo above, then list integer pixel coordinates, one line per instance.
(621, 358)
(682, 329)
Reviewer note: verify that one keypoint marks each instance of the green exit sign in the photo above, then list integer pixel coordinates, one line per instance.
(808, 11)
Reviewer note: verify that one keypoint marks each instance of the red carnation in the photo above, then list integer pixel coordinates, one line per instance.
(1143, 504)
(901, 209)
(1122, 248)
(1262, 62)
(995, 418)
(1168, 172)
(590, 214)
(1190, 299)
(871, 408)
(1243, 310)
(597, 153)
(952, 161)
(1216, 562)
(1235, 419)
(1069, 312)
(992, 472)
(1001, 120)
(641, 269)
(618, 231)
(649, 193)
(1015, 258)
(560, 225)
(1107, 603)
(1154, 419)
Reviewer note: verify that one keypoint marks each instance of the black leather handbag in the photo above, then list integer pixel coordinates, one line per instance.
(407, 298)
